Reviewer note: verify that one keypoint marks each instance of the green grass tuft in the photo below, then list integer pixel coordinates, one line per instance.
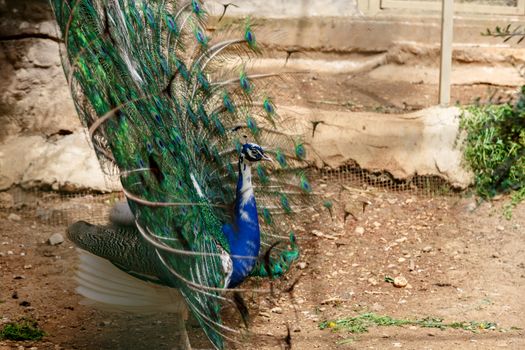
(495, 149)
(24, 329)
(361, 323)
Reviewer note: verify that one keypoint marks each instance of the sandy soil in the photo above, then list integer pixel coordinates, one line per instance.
(462, 263)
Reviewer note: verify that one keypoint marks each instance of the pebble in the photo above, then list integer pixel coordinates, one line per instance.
(277, 310)
(411, 265)
(6, 200)
(400, 282)
(470, 207)
(14, 217)
(401, 260)
(56, 239)
(372, 281)
(427, 249)
(359, 230)
(302, 265)
(27, 267)
(500, 228)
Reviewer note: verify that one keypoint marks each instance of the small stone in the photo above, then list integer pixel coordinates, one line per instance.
(277, 310)
(359, 230)
(411, 265)
(372, 281)
(6, 200)
(401, 240)
(56, 239)
(264, 314)
(105, 323)
(14, 217)
(302, 265)
(471, 206)
(27, 267)
(401, 260)
(400, 282)
(376, 224)
(427, 249)
(500, 228)
(10, 252)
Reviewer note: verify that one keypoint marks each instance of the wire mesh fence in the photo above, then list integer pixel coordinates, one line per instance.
(61, 209)
(353, 175)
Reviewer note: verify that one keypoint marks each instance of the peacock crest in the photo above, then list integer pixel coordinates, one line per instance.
(190, 128)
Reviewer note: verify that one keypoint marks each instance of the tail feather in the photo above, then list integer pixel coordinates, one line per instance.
(107, 287)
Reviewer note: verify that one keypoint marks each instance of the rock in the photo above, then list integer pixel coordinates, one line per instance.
(320, 234)
(500, 228)
(14, 217)
(401, 240)
(359, 230)
(277, 310)
(427, 249)
(372, 281)
(33, 161)
(56, 239)
(400, 282)
(411, 265)
(44, 214)
(6, 200)
(471, 206)
(401, 260)
(302, 265)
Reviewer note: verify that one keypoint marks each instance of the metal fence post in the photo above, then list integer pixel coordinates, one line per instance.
(447, 28)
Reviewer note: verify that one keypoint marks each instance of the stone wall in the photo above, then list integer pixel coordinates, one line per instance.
(34, 98)
(41, 143)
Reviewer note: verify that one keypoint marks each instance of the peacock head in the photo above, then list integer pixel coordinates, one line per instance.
(254, 153)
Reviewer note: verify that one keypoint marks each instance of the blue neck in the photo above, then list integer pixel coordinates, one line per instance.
(243, 236)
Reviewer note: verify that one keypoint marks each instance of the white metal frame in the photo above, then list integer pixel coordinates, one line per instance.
(445, 69)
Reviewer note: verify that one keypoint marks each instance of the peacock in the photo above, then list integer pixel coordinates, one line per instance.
(211, 176)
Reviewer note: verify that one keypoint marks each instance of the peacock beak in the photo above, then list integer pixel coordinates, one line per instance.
(267, 158)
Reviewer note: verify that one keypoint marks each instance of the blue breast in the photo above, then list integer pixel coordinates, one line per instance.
(244, 237)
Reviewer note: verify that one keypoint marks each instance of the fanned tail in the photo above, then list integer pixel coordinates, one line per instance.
(163, 103)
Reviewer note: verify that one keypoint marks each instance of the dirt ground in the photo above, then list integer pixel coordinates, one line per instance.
(463, 262)
(361, 92)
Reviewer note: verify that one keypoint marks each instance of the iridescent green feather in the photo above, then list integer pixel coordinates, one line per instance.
(171, 133)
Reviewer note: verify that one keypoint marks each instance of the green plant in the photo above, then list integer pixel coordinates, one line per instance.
(361, 323)
(494, 148)
(24, 329)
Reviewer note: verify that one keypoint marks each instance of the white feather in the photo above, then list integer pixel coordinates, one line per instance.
(107, 287)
